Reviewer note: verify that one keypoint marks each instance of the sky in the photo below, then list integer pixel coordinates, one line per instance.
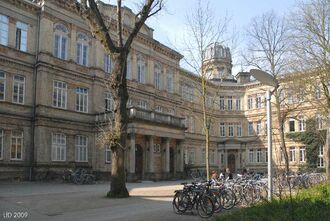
(169, 24)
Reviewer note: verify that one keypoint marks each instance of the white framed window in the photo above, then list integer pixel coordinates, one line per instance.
(239, 129)
(222, 103)
(292, 154)
(82, 49)
(4, 30)
(320, 162)
(19, 89)
(251, 155)
(21, 36)
(82, 99)
(171, 111)
(156, 148)
(302, 154)
(2, 86)
(238, 103)
(108, 154)
(230, 130)
(318, 121)
(141, 69)
(1, 144)
(108, 102)
(58, 147)
(60, 91)
(250, 102)
(187, 92)
(250, 129)
(169, 80)
(16, 150)
(258, 128)
(159, 109)
(259, 156)
(191, 157)
(230, 103)
(301, 123)
(157, 76)
(129, 67)
(222, 129)
(291, 125)
(142, 104)
(60, 41)
(258, 101)
(107, 63)
(129, 103)
(81, 148)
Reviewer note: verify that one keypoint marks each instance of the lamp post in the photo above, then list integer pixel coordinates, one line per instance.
(269, 80)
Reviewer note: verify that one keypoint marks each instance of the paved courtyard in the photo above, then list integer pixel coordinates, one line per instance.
(58, 201)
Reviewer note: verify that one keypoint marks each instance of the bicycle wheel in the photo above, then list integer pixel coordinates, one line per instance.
(216, 196)
(227, 199)
(205, 206)
(180, 202)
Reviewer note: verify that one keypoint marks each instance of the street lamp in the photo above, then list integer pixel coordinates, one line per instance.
(269, 80)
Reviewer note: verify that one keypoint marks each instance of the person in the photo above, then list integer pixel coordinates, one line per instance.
(214, 178)
(230, 175)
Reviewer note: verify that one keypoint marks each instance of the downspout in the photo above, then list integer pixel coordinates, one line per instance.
(34, 101)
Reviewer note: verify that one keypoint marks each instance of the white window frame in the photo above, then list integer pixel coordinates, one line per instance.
(21, 39)
(169, 80)
(230, 103)
(250, 102)
(238, 104)
(60, 94)
(141, 70)
(319, 121)
(222, 103)
(230, 129)
(15, 140)
(81, 148)
(108, 102)
(58, 147)
(61, 47)
(302, 154)
(129, 67)
(258, 127)
(259, 156)
(251, 155)
(320, 163)
(107, 63)
(292, 157)
(157, 76)
(3, 81)
(159, 109)
(4, 29)
(258, 101)
(222, 129)
(250, 129)
(82, 99)
(108, 154)
(239, 129)
(143, 104)
(82, 49)
(301, 123)
(20, 84)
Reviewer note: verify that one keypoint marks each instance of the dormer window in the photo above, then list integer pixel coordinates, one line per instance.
(60, 41)
(82, 49)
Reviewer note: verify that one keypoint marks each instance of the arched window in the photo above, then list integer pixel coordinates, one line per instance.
(82, 49)
(60, 41)
(141, 69)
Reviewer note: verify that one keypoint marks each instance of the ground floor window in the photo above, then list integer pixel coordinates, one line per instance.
(320, 162)
(191, 158)
(16, 145)
(108, 154)
(58, 147)
(81, 148)
(251, 155)
(259, 156)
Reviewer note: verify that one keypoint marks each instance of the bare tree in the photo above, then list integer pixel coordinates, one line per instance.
(119, 46)
(267, 50)
(202, 30)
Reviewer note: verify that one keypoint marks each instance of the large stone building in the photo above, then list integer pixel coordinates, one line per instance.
(54, 103)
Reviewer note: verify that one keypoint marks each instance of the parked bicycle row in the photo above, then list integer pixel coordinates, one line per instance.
(78, 176)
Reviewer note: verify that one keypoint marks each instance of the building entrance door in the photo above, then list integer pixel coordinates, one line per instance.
(138, 161)
(231, 162)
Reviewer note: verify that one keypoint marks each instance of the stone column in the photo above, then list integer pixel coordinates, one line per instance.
(132, 154)
(167, 155)
(151, 154)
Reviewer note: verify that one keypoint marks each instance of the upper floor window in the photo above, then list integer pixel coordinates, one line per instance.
(129, 67)
(318, 121)
(108, 102)
(60, 41)
(230, 129)
(16, 150)
(3, 30)
(60, 94)
(191, 157)
(141, 66)
(250, 102)
(81, 148)
(159, 109)
(108, 154)
(259, 156)
(21, 36)
(290, 97)
(230, 103)
(143, 104)
(301, 123)
(169, 80)
(258, 129)
(107, 63)
(250, 128)
(157, 76)
(2, 86)
(18, 89)
(82, 99)
(301, 95)
(187, 92)
(222, 102)
(222, 129)
(238, 103)
(239, 129)
(192, 124)
(291, 125)
(82, 49)
(258, 101)
(251, 155)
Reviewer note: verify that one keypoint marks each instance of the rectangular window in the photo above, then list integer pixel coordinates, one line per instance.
(58, 147)
(291, 125)
(318, 121)
(60, 46)
(250, 129)
(320, 162)
(238, 103)
(60, 94)
(192, 124)
(230, 103)
(301, 123)
(191, 158)
(251, 155)
(1, 144)
(16, 145)
(82, 99)
(258, 101)
(222, 129)
(21, 36)
(108, 102)
(187, 92)
(141, 71)
(230, 129)
(157, 77)
(142, 104)
(107, 63)
(169, 81)
(292, 154)
(258, 129)
(4, 30)
(222, 103)
(239, 129)
(2, 86)
(128, 68)
(108, 154)
(18, 89)
(159, 109)
(81, 148)
(259, 156)
(82, 52)
(250, 102)
(302, 154)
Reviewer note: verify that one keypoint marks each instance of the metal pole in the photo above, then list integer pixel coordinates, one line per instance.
(269, 142)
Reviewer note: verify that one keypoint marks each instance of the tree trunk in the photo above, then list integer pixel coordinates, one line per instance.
(118, 87)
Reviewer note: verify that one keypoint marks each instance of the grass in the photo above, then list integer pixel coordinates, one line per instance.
(308, 205)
